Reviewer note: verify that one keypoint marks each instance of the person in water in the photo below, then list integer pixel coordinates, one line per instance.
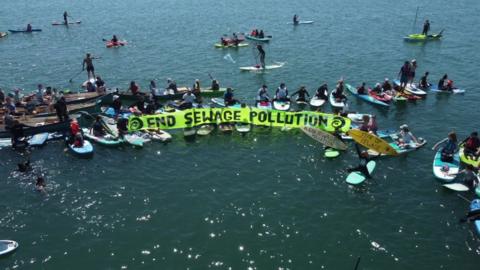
(282, 93)
(406, 138)
(88, 63)
(263, 94)
(295, 19)
(29, 28)
(98, 127)
(228, 98)
(445, 84)
(302, 94)
(65, 18)
(423, 84)
(449, 147)
(404, 74)
(471, 146)
(362, 166)
(134, 88)
(215, 85)
(426, 28)
(40, 184)
(261, 54)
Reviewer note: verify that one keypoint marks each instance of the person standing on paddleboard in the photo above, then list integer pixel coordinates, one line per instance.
(295, 19)
(413, 67)
(404, 74)
(88, 62)
(426, 28)
(261, 53)
(65, 18)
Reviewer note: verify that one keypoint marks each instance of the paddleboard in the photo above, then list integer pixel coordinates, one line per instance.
(38, 139)
(266, 105)
(204, 130)
(316, 102)
(371, 141)
(7, 246)
(159, 135)
(85, 151)
(229, 46)
(301, 22)
(434, 88)
(355, 178)
(457, 187)
(324, 138)
(135, 139)
(242, 127)
(258, 68)
(107, 140)
(3, 34)
(63, 23)
(24, 31)
(443, 170)
(281, 105)
(331, 153)
(474, 206)
(334, 103)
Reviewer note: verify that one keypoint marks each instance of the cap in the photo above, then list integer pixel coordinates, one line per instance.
(403, 126)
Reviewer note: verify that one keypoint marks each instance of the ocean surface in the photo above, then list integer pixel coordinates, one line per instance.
(267, 200)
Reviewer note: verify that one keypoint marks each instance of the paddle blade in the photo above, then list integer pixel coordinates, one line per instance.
(229, 58)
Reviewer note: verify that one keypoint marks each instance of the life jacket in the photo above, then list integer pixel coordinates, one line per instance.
(74, 128)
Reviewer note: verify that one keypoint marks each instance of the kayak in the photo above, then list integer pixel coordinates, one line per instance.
(24, 31)
(243, 127)
(117, 44)
(434, 88)
(442, 170)
(331, 153)
(334, 102)
(368, 98)
(412, 88)
(231, 45)
(384, 97)
(266, 105)
(38, 139)
(264, 39)
(7, 246)
(63, 23)
(85, 151)
(204, 130)
(422, 37)
(107, 140)
(281, 105)
(466, 159)
(410, 148)
(3, 34)
(457, 187)
(355, 178)
(259, 67)
(301, 22)
(475, 206)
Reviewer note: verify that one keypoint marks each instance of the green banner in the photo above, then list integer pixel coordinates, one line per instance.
(259, 117)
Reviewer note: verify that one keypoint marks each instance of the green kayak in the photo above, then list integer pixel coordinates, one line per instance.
(264, 39)
(422, 37)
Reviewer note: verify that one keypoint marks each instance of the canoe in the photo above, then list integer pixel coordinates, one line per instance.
(63, 23)
(259, 68)
(85, 151)
(107, 140)
(7, 246)
(443, 170)
(281, 105)
(264, 39)
(367, 97)
(334, 103)
(475, 206)
(466, 159)
(230, 46)
(266, 105)
(3, 34)
(355, 178)
(24, 31)
(38, 139)
(120, 43)
(39, 125)
(422, 37)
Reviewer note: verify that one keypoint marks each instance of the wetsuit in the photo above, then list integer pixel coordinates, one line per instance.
(448, 151)
(362, 166)
(98, 129)
(261, 53)
(361, 90)
(423, 82)
(426, 28)
(302, 94)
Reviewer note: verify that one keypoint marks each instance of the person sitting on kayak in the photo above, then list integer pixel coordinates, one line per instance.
(378, 89)
(78, 140)
(29, 28)
(91, 87)
(235, 40)
(223, 41)
(295, 19)
(471, 146)
(253, 33)
(424, 81)
(114, 40)
(406, 138)
(320, 94)
(261, 54)
(362, 90)
(426, 28)
(98, 127)
(261, 35)
(215, 85)
(228, 98)
(263, 94)
(282, 93)
(65, 18)
(74, 127)
(88, 61)
(387, 86)
(404, 74)
(302, 94)
(134, 88)
(362, 166)
(187, 100)
(449, 148)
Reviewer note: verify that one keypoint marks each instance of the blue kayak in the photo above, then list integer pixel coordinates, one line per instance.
(475, 205)
(24, 31)
(365, 97)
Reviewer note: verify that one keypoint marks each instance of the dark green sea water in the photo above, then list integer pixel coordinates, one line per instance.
(267, 200)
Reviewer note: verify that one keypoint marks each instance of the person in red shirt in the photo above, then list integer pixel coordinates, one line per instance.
(74, 127)
(472, 146)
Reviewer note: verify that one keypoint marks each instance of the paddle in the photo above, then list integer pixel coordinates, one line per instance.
(71, 80)
(356, 264)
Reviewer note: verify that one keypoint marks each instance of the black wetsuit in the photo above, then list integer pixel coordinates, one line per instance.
(362, 167)
(261, 53)
(302, 94)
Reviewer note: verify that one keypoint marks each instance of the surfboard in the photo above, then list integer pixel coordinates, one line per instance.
(371, 141)
(324, 138)
(457, 187)
(355, 178)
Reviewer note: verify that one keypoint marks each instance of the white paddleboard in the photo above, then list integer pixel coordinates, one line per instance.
(316, 102)
(457, 187)
(258, 68)
(281, 105)
(7, 246)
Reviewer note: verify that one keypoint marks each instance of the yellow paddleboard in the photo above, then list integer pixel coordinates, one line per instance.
(371, 141)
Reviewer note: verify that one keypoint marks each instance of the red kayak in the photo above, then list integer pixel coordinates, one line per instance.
(382, 97)
(117, 44)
